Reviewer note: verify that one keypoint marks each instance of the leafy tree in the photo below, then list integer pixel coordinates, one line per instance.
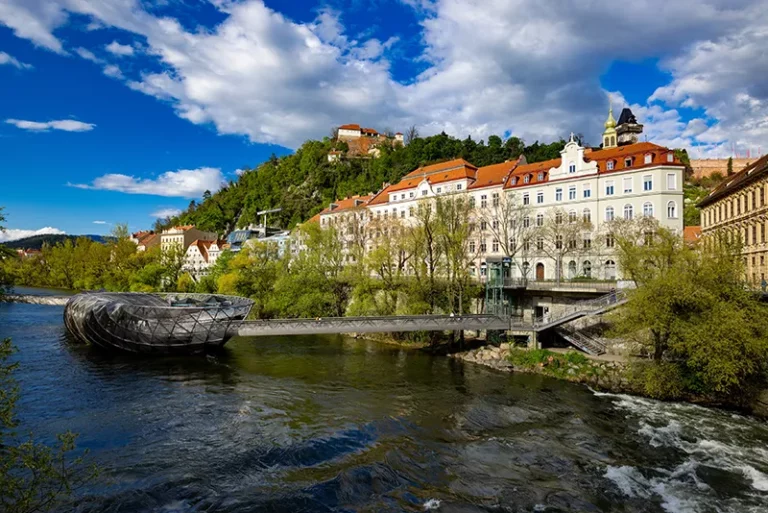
(730, 166)
(692, 314)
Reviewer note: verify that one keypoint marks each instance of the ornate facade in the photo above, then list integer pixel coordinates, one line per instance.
(736, 210)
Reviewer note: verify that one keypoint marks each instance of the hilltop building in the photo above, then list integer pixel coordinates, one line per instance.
(361, 142)
(736, 210)
(145, 240)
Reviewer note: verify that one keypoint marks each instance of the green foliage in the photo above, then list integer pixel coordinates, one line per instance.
(34, 477)
(691, 310)
(304, 182)
(661, 380)
(692, 195)
(729, 169)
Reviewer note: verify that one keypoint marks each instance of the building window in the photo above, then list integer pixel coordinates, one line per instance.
(472, 246)
(526, 222)
(587, 241)
(610, 270)
(587, 190)
(526, 199)
(527, 179)
(402, 214)
(609, 214)
(587, 269)
(610, 241)
(483, 246)
(424, 192)
(572, 269)
(628, 162)
(471, 202)
(628, 211)
(672, 210)
(558, 194)
(412, 195)
(541, 176)
(539, 219)
(526, 246)
(540, 243)
(648, 183)
(495, 199)
(609, 188)
(672, 182)
(628, 185)
(458, 186)
(609, 165)
(648, 158)
(648, 209)
(670, 157)
(572, 192)
(483, 225)
(558, 218)
(495, 246)
(514, 180)
(586, 215)
(410, 212)
(483, 201)
(439, 190)
(539, 197)
(572, 167)
(572, 216)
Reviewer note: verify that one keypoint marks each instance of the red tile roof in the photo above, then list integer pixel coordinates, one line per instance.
(495, 174)
(351, 126)
(691, 234)
(347, 204)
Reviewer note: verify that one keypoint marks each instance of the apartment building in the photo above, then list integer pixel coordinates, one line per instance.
(736, 210)
(511, 203)
(182, 236)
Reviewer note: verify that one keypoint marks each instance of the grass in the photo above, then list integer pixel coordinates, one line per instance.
(571, 365)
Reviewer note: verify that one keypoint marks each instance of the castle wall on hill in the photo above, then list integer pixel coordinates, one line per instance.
(703, 168)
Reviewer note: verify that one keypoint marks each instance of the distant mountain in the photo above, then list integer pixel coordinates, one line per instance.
(37, 241)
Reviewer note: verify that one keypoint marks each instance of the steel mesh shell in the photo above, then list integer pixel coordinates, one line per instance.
(155, 323)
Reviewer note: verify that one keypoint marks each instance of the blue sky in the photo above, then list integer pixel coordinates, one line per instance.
(115, 110)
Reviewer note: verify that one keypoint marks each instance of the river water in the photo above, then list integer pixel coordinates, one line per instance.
(334, 424)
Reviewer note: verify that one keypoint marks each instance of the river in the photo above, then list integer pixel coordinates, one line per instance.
(335, 424)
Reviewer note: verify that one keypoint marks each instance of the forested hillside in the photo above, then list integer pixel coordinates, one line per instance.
(37, 241)
(305, 182)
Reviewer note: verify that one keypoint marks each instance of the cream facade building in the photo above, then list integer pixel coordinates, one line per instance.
(588, 188)
(737, 211)
(183, 236)
(201, 255)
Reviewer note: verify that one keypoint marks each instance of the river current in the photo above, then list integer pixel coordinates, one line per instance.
(335, 424)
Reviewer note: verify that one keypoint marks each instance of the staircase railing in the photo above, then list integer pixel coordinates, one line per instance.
(585, 307)
(584, 342)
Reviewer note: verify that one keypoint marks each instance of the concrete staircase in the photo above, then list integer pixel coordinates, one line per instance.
(584, 342)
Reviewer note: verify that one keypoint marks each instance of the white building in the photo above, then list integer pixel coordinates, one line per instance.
(182, 236)
(587, 188)
(201, 255)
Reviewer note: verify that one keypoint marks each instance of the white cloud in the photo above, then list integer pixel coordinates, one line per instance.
(8, 59)
(87, 55)
(15, 234)
(67, 125)
(165, 212)
(119, 50)
(100, 222)
(185, 183)
(529, 67)
(239, 172)
(113, 71)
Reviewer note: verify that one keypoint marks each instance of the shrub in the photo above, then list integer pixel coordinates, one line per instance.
(659, 380)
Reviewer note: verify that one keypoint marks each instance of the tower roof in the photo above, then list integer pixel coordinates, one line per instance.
(610, 122)
(627, 117)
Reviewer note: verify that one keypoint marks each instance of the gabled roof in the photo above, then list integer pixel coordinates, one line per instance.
(149, 240)
(351, 126)
(750, 174)
(349, 203)
(495, 174)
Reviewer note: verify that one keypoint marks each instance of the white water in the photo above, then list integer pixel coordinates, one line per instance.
(704, 451)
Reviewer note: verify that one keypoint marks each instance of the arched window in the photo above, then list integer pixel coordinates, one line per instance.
(527, 179)
(586, 215)
(672, 210)
(526, 268)
(648, 209)
(587, 268)
(572, 216)
(610, 270)
(572, 269)
(572, 167)
(609, 214)
(628, 211)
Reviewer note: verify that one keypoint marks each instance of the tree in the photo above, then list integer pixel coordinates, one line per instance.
(453, 229)
(508, 221)
(6, 279)
(33, 476)
(426, 259)
(730, 166)
(411, 134)
(692, 314)
(559, 234)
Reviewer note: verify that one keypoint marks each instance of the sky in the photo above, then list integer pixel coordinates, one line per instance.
(122, 111)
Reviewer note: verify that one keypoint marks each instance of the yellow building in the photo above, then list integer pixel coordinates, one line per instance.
(736, 210)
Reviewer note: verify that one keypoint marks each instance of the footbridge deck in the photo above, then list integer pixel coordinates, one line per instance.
(272, 327)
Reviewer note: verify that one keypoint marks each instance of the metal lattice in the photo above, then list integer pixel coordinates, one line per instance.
(155, 323)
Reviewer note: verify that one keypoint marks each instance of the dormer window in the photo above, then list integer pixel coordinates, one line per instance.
(514, 180)
(670, 157)
(541, 175)
(527, 179)
(572, 167)
(628, 162)
(648, 158)
(609, 165)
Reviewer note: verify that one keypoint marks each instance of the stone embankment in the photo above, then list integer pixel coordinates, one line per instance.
(34, 300)
(603, 373)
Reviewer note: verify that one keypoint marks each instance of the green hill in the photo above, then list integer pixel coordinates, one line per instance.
(304, 182)
(37, 241)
